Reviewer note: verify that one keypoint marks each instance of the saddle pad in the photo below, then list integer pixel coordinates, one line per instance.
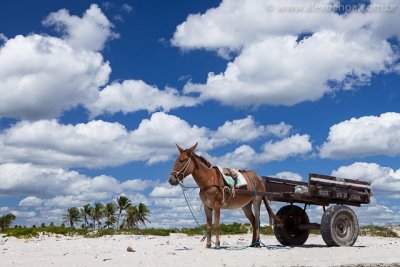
(241, 181)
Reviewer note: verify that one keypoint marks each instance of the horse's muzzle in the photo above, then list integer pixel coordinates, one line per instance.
(172, 180)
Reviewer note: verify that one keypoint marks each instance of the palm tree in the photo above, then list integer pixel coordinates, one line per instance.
(109, 213)
(143, 212)
(72, 216)
(131, 219)
(86, 212)
(6, 220)
(98, 214)
(122, 204)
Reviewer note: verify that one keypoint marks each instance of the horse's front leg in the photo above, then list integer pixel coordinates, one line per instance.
(217, 215)
(256, 231)
(208, 212)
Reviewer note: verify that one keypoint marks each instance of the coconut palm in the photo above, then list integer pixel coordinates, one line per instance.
(143, 212)
(122, 204)
(97, 214)
(131, 219)
(6, 220)
(72, 216)
(86, 212)
(109, 213)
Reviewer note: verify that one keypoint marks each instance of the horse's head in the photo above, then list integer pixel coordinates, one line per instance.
(183, 166)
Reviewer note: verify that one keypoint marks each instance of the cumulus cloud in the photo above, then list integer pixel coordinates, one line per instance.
(47, 192)
(134, 95)
(89, 32)
(384, 180)
(289, 176)
(70, 71)
(247, 129)
(38, 182)
(245, 156)
(364, 136)
(274, 63)
(280, 71)
(3, 38)
(57, 77)
(30, 201)
(99, 143)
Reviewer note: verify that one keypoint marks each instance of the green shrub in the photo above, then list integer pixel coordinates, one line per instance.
(22, 232)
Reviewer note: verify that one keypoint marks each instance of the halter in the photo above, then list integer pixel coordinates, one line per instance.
(183, 170)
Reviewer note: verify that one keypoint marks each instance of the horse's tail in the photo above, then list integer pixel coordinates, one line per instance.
(272, 217)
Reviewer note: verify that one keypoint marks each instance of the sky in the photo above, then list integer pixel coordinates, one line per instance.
(94, 95)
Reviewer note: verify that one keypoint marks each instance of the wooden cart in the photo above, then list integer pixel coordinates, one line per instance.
(339, 224)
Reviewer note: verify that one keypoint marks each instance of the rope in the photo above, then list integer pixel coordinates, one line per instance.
(191, 210)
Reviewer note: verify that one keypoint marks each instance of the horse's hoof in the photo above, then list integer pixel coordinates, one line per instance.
(208, 245)
(217, 245)
(255, 245)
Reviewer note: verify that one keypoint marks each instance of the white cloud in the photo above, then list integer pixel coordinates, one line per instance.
(271, 66)
(288, 147)
(377, 214)
(57, 77)
(134, 95)
(280, 71)
(279, 130)
(89, 32)
(245, 130)
(239, 130)
(69, 71)
(30, 201)
(364, 136)
(98, 143)
(237, 23)
(4, 209)
(245, 156)
(385, 181)
(289, 176)
(127, 8)
(46, 182)
(23, 214)
(3, 38)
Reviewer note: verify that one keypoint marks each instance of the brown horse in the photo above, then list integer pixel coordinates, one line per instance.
(213, 193)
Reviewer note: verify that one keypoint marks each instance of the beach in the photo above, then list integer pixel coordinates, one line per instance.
(183, 250)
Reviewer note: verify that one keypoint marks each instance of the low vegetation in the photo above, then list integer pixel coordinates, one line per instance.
(106, 216)
(383, 231)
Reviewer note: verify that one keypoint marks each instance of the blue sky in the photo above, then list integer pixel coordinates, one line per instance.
(96, 94)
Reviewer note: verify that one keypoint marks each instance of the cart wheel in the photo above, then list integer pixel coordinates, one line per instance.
(339, 226)
(291, 234)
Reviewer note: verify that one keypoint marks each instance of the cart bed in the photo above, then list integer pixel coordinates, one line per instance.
(320, 190)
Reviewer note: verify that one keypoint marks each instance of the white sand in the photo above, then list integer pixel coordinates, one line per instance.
(182, 250)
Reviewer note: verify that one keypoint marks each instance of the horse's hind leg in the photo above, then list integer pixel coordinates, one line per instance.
(249, 214)
(208, 213)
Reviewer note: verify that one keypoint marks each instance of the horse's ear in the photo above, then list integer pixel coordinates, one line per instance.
(193, 148)
(179, 148)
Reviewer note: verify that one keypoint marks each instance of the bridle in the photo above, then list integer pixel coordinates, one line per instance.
(183, 170)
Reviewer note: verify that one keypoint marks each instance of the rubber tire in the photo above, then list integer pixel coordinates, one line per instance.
(339, 226)
(288, 235)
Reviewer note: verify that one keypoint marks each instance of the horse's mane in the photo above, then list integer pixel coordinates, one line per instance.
(202, 159)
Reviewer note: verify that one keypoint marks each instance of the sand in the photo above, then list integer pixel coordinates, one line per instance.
(182, 250)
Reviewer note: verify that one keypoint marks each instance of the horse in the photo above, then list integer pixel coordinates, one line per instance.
(213, 194)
